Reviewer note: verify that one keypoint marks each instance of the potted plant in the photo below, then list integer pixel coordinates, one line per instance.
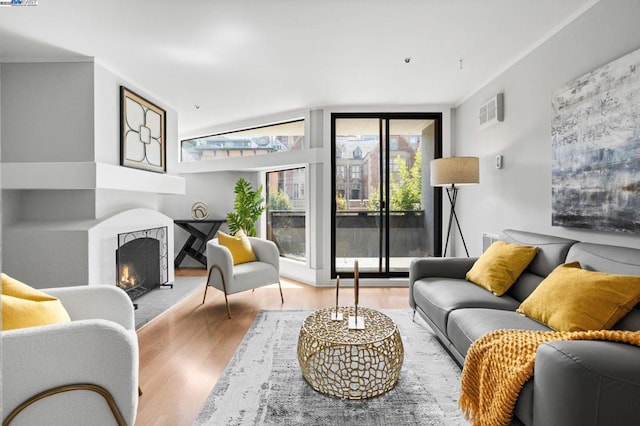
(248, 206)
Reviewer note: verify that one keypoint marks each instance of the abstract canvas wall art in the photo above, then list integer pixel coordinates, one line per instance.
(595, 138)
(142, 138)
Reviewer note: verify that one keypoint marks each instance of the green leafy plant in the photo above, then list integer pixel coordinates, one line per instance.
(279, 201)
(248, 206)
(406, 189)
(406, 192)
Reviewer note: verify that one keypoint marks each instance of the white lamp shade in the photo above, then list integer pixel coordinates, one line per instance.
(455, 170)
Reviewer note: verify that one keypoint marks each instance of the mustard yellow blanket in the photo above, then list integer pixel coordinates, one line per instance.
(499, 363)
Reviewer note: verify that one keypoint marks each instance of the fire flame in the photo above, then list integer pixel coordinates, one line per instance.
(127, 279)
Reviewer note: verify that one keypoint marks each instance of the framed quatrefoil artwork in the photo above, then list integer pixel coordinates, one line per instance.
(143, 128)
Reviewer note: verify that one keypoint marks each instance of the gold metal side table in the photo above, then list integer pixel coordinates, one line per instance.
(350, 364)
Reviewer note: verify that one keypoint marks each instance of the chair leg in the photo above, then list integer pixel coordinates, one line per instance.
(280, 287)
(106, 395)
(226, 301)
(224, 286)
(206, 286)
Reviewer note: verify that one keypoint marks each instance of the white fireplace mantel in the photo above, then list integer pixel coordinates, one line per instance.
(76, 252)
(87, 175)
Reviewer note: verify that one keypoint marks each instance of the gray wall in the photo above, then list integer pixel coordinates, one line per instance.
(47, 112)
(519, 195)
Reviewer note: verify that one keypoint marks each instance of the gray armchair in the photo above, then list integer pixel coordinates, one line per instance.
(230, 278)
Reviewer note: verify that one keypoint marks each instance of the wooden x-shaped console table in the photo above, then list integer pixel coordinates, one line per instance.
(191, 246)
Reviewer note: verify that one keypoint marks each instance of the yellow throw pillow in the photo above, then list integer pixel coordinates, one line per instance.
(500, 266)
(574, 299)
(24, 306)
(239, 246)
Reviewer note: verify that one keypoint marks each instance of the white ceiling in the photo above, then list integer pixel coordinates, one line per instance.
(248, 58)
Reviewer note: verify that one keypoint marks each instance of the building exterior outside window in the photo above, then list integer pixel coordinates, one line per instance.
(355, 171)
(259, 140)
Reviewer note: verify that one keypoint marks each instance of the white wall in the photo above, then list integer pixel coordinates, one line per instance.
(519, 195)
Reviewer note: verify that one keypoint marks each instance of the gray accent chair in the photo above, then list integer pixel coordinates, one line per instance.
(575, 382)
(230, 278)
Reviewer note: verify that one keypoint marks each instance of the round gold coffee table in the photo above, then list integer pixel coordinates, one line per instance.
(350, 364)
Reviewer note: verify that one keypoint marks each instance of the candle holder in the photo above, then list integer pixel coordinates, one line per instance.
(335, 315)
(356, 322)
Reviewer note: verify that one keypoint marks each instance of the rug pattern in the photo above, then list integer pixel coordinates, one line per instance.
(263, 385)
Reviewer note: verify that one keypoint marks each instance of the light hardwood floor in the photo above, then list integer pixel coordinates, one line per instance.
(184, 351)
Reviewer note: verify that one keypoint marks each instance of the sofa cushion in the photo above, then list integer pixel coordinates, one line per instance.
(439, 296)
(552, 251)
(525, 285)
(467, 325)
(631, 321)
(573, 299)
(605, 258)
(500, 266)
(250, 275)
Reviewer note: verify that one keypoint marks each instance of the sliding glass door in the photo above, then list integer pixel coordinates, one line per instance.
(384, 212)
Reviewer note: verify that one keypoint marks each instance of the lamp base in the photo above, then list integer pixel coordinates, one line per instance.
(452, 194)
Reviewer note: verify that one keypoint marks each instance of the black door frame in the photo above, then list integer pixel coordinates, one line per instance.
(437, 195)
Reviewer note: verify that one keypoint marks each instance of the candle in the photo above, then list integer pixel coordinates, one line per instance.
(337, 292)
(356, 284)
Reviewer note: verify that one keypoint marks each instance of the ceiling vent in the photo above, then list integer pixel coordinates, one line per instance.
(492, 111)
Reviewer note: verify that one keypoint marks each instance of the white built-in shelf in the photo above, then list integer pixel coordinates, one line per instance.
(87, 176)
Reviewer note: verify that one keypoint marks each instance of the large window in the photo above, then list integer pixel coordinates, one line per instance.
(247, 142)
(286, 212)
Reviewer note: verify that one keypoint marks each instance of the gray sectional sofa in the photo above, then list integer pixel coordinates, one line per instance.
(575, 382)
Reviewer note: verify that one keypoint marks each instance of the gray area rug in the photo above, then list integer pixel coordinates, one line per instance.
(263, 385)
(152, 304)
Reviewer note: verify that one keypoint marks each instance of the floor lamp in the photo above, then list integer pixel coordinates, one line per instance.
(450, 173)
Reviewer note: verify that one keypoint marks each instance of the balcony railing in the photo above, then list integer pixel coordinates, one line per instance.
(357, 234)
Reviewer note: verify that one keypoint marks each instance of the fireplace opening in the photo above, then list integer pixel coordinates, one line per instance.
(141, 261)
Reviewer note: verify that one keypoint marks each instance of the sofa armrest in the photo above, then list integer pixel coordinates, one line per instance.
(445, 267)
(221, 256)
(586, 383)
(108, 302)
(95, 351)
(266, 251)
